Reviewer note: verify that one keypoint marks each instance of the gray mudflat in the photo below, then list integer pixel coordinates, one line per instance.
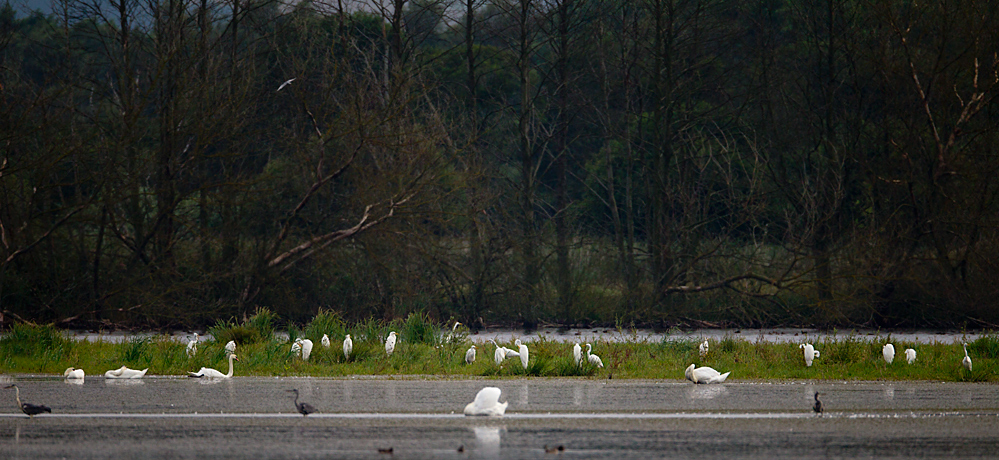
(255, 418)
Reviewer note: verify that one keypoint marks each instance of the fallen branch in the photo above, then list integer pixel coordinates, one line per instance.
(726, 283)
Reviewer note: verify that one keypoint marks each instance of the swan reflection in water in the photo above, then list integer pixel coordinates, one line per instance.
(705, 391)
(487, 440)
(124, 383)
(73, 381)
(890, 392)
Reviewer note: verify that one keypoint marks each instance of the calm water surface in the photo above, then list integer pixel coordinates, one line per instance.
(254, 418)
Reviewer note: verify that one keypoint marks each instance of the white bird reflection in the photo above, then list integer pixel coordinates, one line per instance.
(524, 395)
(73, 381)
(577, 395)
(131, 382)
(488, 440)
(890, 392)
(705, 391)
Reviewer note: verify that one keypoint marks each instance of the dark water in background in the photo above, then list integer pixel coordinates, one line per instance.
(252, 417)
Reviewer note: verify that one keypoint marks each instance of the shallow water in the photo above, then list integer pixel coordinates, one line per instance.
(255, 418)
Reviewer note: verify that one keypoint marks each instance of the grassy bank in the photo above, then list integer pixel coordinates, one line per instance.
(423, 350)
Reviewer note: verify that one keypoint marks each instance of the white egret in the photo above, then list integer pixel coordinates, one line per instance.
(296, 348)
(523, 352)
(286, 83)
(703, 349)
(809, 352)
(487, 403)
(325, 341)
(577, 354)
(34, 409)
(348, 346)
(124, 372)
(818, 404)
(889, 353)
(910, 355)
(470, 355)
(499, 355)
(306, 349)
(212, 373)
(230, 347)
(390, 343)
(450, 335)
(966, 362)
(303, 408)
(73, 373)
(592, 358)
(704, 375)
(192, 346)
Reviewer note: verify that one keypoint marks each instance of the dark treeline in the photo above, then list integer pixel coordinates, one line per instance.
(165, 163)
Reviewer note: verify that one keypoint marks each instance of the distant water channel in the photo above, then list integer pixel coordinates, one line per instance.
(253, 417)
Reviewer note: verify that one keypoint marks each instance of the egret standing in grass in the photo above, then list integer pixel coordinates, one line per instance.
(390, 343)
(910, 355)
(296, 347)
(207, 372)
(32, 410)
(230, 347)
(303, 408)
(306, 349)
(73, 373)
(192, 346)
(523, 353)
(470, 355)
(703, 349)
(889, 353)
(348, 346)
(325, 341)
(499, 355)
(592, 358)
(818, 404)
(577, 354)
(966, 362)
(809, 352)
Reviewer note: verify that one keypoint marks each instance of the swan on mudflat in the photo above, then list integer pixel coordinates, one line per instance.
(124, 372)
(704, 375)
(487, 403)
(73, 373)
(210, 373)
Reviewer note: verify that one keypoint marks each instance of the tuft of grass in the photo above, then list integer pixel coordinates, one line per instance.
(419, 328)
(135, 351)
(325, 322)
(35, 341)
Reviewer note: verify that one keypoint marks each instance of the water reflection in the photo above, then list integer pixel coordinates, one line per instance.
(73, 381)
(123, 382)
(705, 391)
(487, 439)
(890, 392)
(577, 395)
(524, 395)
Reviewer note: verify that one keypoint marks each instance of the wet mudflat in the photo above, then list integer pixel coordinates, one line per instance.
(418, 418)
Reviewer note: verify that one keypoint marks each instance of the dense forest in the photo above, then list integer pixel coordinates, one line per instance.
(165, 163)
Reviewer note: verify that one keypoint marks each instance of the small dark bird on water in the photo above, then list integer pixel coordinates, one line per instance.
(385, 451)
(30, 409)
(818, 404)
(303, 407)
(552, 450)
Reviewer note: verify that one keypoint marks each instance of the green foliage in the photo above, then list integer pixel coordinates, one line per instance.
(419, 328)
(986, 346)
(35, 341)
(325, 322)
(135, 351)
(257, 328)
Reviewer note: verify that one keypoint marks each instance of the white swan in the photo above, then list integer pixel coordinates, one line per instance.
(703, 349)
(577, 354)
(470, 355)
(889, 353)
(487, 403)
(810, 353)
(348, 346)
(230, 347)
(523, 353)
(73, 373)
(966, 362)
(210, 373)
(910, 355)
(592, 358)
(704, 375)
(325, 341)
(192, 346)
(390, 343)
(125, 373)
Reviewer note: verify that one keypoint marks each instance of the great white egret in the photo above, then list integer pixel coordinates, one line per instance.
(325, 341)
(450, 335)
(910, 355)
(818, 404)
(124, 372)
(73, 373)
(390, 343)
(523, 352)
(34, 409)
(577, 354)
(296, 347)
(210, 373)
(303, 408)
(592, 358)
(809, 352)
(704, 375)
(192, 346)
(306, 349)
(348, 346)
(286, 83)
(966, 362)
(703, 349)
(470, 355)
(487, 403)
(230, 347)
(499, 355)
(889, 352)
